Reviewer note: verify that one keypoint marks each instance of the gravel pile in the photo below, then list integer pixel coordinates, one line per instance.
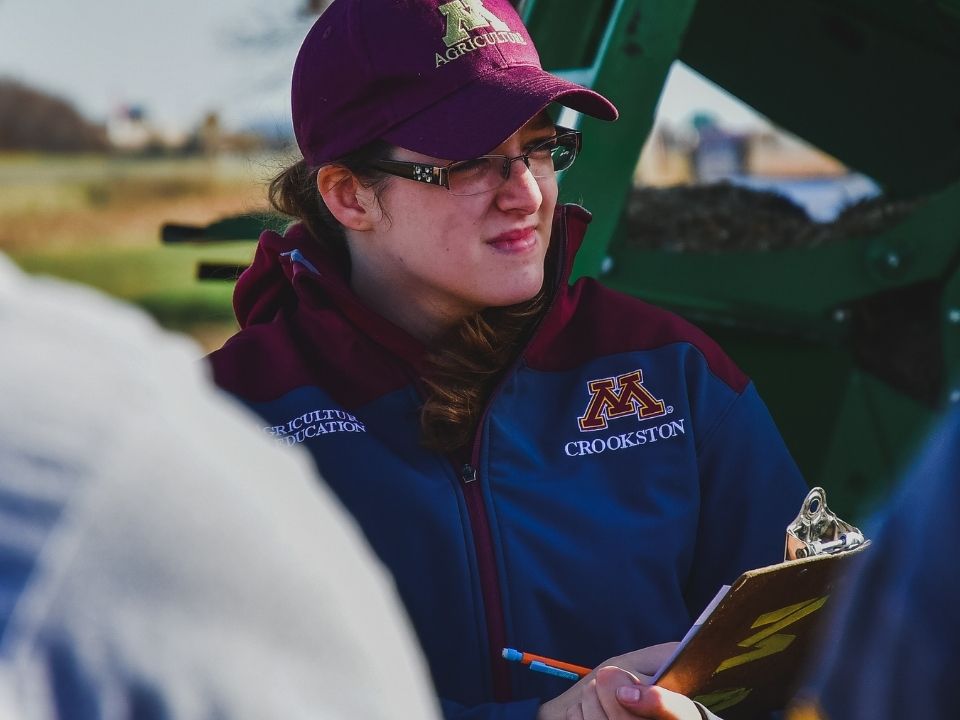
(723, 217)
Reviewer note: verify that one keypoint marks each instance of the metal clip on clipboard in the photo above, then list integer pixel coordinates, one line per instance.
(818, 531)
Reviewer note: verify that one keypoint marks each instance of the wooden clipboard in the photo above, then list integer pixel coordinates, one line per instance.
(747, 653)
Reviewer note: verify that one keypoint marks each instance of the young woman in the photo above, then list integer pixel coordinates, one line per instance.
(560, 469)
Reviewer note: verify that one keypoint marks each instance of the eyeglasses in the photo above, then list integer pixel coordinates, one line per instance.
(488, 172)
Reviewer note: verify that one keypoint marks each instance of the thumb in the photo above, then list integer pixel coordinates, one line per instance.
(610, 682)
(656, 703)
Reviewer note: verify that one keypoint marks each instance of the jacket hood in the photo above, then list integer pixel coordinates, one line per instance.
(294, 267)
(268, 285)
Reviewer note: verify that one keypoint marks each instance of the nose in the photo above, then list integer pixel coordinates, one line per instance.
(521, 190)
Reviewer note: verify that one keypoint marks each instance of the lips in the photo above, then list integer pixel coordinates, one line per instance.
(515, 240)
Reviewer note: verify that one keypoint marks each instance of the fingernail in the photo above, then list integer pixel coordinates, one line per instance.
(628, 694)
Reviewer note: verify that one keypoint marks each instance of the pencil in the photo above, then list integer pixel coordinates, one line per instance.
(544, 662)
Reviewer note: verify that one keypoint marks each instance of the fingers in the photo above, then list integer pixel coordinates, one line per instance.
(597, 705)
(646, 661)
(590, 699)
(611, 680)
(573, 712)
(653, 703)
(567, 706)
(590, 705)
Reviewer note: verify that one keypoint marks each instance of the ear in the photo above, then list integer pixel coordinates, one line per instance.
(352, 204)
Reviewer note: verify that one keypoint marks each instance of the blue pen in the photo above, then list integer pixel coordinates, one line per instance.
(549, 670)
(546, 665)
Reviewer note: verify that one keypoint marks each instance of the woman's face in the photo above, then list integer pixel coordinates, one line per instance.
(434, 257)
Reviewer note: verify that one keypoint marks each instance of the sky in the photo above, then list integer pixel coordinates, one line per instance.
(180, 59)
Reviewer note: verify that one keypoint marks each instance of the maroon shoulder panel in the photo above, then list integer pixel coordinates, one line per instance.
(264, 362)
(588, 321)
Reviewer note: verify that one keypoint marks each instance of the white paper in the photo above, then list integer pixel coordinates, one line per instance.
(693, 630)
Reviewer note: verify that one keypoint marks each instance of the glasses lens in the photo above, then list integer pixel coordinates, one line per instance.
(564, 152)
(472, 177)
(482, 174)
(553, 155)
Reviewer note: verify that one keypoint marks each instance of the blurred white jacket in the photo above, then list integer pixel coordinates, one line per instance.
(159, 557)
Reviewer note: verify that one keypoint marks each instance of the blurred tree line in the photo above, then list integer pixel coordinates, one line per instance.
(31, 119)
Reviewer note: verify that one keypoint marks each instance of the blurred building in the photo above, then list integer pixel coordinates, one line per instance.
(127, 128)
(778, 154)
(703, 152)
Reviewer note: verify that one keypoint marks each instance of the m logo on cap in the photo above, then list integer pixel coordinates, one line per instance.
(465, 15)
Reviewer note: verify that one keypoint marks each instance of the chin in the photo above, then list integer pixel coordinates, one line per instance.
(518, 294)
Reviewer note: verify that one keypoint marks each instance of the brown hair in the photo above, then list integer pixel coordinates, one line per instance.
(293, 192)
(466, 365)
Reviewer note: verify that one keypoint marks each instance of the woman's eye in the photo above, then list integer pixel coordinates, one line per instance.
(542, 147)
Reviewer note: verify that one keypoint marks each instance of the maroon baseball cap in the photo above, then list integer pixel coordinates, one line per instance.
(447, 78)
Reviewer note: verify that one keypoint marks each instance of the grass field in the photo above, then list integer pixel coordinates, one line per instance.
(97, 220)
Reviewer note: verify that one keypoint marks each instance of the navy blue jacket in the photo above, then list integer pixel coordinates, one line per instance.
(624, 469)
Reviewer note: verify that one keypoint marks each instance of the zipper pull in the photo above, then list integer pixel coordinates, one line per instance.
(468, 473)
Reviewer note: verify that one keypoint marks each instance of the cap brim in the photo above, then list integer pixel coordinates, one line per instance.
(477, 117)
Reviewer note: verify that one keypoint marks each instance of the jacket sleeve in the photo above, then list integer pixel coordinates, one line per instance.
(750, 490)
(520, 710)
(895, 632)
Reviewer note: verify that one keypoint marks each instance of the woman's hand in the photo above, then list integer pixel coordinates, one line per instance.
(595, 697)
(645, 662)
(623, 695)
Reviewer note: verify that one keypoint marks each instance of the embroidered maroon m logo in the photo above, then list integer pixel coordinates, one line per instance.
(618, 397)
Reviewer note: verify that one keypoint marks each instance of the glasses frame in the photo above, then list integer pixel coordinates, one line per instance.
(439, 175)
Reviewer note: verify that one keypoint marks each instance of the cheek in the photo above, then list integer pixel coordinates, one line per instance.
(548, 200)
(550, 192)
(439, 239)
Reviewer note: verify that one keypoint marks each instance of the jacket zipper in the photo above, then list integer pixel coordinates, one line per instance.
(482, 535)
(489, 582)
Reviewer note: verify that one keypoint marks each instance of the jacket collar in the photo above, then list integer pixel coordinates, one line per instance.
(292, 273)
